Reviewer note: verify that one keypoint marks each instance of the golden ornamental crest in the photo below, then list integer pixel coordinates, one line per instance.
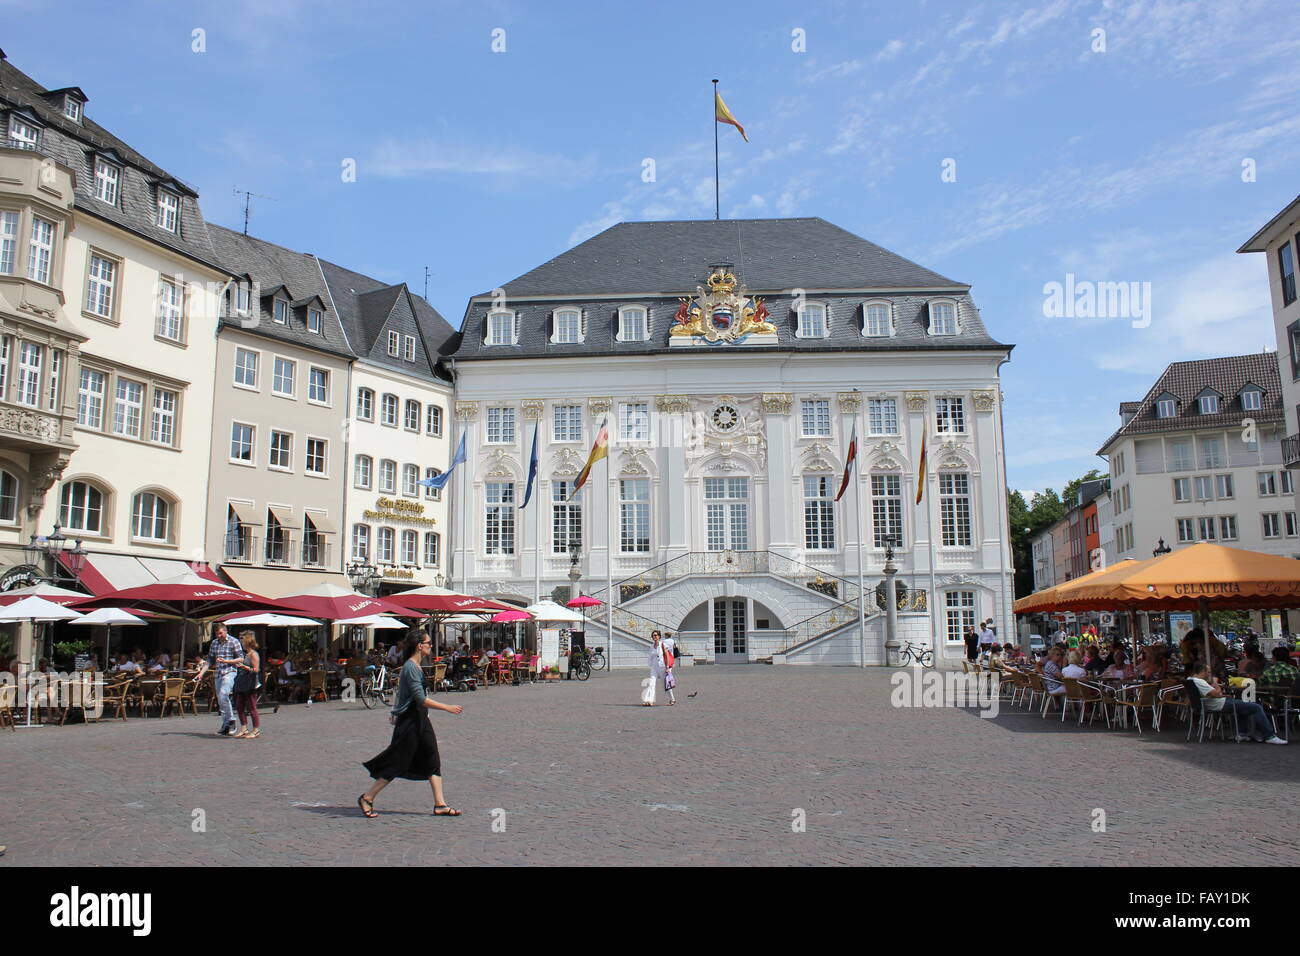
(721, 313)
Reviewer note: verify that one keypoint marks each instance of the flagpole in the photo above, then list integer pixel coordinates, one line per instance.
(609, 555)
(862, 622)
(929, 533)
(717, 204)
(464, 531)
(537, 545)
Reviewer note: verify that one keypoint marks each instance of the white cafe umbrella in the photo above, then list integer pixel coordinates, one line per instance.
(111, 617)
(378, 621)
(550, 611)
(273, 620)
(36, 609)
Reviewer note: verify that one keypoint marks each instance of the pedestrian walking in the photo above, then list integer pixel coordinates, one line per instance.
(657, 669)
(225, 655)
(972, 644)
(670, 658)
(413, 752)
(248, 681)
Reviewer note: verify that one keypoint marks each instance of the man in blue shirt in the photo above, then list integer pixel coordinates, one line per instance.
(223, 655)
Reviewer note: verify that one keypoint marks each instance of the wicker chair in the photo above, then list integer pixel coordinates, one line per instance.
(1081, 695)
(316, 682)
(481, 671)
(172, 693)
(190, 696)
(8, 698)
(1277, 701)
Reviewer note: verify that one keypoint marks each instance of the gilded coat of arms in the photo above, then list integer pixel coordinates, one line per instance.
(721, 313)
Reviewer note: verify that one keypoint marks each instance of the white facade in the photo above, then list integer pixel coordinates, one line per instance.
(399, 428)
(718, 473)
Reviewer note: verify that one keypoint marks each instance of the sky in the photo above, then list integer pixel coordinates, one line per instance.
(1008, 146)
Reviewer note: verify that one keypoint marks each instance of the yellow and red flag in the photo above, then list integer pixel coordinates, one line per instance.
(920, 471)
(723, 115)
(850, 460)
(599, 450)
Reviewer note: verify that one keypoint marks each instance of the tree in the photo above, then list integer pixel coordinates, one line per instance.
(1028, 520)
(1071, 494)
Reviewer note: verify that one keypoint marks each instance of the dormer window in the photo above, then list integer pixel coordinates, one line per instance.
(394, 344)
(632, 324)
(501, 329)
(1252, 399)
(169, 210)
(281, 313)
(567, 327)
(1166, 408)
(943, 318)
(408, 348)
(877, 320)
(72, 108)
(22, 134)
(107, 177)
(812, 321)
(313, 320)
(1208, 404)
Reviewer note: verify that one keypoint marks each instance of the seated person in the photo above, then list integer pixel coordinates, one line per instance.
(1257, 724)
(1280, 670)
(1092, 661)
(1075, 666)
(995, 654)
(1152, 664)
(1251, 664)
(1119, 668)
(165, 660)
(124, 663)
(154, 666)
(507, 651)
(1052, 673)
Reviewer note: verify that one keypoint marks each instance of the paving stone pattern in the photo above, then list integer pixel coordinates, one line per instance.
(587, 776)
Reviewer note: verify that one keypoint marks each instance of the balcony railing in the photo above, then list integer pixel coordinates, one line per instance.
(240, 548)
(1291, 451)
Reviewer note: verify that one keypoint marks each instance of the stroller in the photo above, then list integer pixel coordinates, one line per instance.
(461, 674)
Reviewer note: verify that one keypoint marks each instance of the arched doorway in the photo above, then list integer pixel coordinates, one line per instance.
(737, 629)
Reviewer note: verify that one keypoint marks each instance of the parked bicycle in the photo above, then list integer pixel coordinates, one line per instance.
(378, 686)
(597, 659)
(914, 652)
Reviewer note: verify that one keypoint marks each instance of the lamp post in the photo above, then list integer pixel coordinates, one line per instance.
(891, 605)
(1156, 552)
(575, 573)
(44, 552)
(364, 576)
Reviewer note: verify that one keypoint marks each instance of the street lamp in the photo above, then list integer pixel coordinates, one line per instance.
(363, 575)
(1160, 549)
(51, 547)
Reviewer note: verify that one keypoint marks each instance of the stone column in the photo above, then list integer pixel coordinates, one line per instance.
(673, 412)
(463, 520)
(776, 408)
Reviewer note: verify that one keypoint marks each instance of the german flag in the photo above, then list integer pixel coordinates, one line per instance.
(920, 471)
(599, 450)
(723, 115)
(849, 460)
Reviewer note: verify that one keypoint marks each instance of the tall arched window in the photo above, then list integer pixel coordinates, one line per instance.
(81, 508)
(151, 517)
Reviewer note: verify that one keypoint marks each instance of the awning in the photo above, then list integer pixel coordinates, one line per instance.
(103, 573)
(278, 584)
(282, 515)
(321, 523)
(246, 514)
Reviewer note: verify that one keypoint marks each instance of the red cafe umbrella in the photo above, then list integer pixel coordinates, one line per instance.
(441, 604)
(584, 601)
(187, 597)
(329, 602)
(509, 617)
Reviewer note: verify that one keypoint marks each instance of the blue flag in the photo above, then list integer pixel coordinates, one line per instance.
(532, 470)
(438, 481)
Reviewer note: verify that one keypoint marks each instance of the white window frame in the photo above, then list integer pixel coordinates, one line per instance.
(10, 220)
(493, 328)
(108, 181)
(127, 410)
(1166, 408)
(276, 377)
(882, 412)
(307, 457)
(819, 512)
(162, 420)
(101, 289)
(237, 368)
(170, 311)
(634, 514)
(314, 320)
(1208, 404)
(251, 460)
(324, 373)
(288, 452)
(40, 250)
(410, 481)
(368, 394)
(954, 522)
(557, 326)
(169, 210)
(89, 398)
(22, 134)
(387, 477)
(280, 309)
(168, 517)
(804, 326)
(938, 321)
(394, 343)
(563, 426)
(499, 518)
(624, 332)
(363, 467)
(411, 422)
(633, 422)
(383, 410)
(1252, 400)
(361, 542)
(810, 412)
(498, 420)
(433, 560)
(408, 348)
(866, 318)
(433, 420)
(72, 107)
(944, 406)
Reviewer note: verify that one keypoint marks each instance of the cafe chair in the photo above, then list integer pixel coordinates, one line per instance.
(1137, 699)
(189, 696)
(172, 695)
(1203, 717)
(316, 685)
(8, 697)
(1276, 699)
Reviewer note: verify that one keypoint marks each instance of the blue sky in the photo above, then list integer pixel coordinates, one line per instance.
(1122, 165)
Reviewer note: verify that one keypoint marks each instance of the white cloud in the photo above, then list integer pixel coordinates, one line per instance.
(611, 215)
(891, 50)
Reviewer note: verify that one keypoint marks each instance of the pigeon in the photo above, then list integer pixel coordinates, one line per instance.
(692, 695)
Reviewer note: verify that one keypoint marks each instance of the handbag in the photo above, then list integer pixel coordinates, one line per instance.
(245, 682)
(669, 681)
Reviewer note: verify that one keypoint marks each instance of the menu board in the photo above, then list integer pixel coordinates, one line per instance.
(550, 647)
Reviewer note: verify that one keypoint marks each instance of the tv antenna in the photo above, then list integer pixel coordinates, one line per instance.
(248, 197)
(427, 273)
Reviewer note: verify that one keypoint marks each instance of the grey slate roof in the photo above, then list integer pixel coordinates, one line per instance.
(369, 309)
(669, 258)
(1186, 380)
(273, 267)
(653, 263)
(75, 145)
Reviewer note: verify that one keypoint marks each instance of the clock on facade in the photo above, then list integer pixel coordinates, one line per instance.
(725, 417)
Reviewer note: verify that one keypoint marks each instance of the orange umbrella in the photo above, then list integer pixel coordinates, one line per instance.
(1050, 599)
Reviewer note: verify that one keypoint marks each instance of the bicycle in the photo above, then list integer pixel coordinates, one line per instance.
(580, 666)
(377, 686)
(597, 659)
(914, 652)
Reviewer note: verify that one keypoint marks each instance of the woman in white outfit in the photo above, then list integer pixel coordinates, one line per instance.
(657, 670)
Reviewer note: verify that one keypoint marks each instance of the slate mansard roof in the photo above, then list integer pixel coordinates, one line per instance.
(652, 264)
(76, 145)
(1185, 381)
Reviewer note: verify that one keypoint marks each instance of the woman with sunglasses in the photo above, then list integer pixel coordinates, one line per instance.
(413, 752)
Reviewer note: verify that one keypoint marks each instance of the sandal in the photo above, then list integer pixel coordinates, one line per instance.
(254, 734)
(362, 802)
(442, 810)
(242, 733)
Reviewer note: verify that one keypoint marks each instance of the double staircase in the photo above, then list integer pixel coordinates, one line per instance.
(822, 604)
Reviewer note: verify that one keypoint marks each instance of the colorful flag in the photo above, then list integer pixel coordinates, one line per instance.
(438, 481)
(920, 472)
(723, 115)
(599, 450)
(532, 469)
(849, 461)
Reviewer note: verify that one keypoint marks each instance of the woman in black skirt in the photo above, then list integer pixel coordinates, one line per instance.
(413, 753)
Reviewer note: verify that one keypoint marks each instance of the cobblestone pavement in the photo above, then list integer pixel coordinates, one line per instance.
(586, 776)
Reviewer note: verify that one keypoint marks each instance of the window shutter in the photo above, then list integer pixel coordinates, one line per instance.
(582, 325)
(826, 320)
(649, 319)
(551, 327)
(487, 329)
(516, 321)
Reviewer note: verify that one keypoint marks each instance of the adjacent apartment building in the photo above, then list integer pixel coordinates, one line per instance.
(1200, 459)
(1279, 240)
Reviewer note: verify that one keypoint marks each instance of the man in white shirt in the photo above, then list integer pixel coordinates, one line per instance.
(987, 637)
(1248, 712)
